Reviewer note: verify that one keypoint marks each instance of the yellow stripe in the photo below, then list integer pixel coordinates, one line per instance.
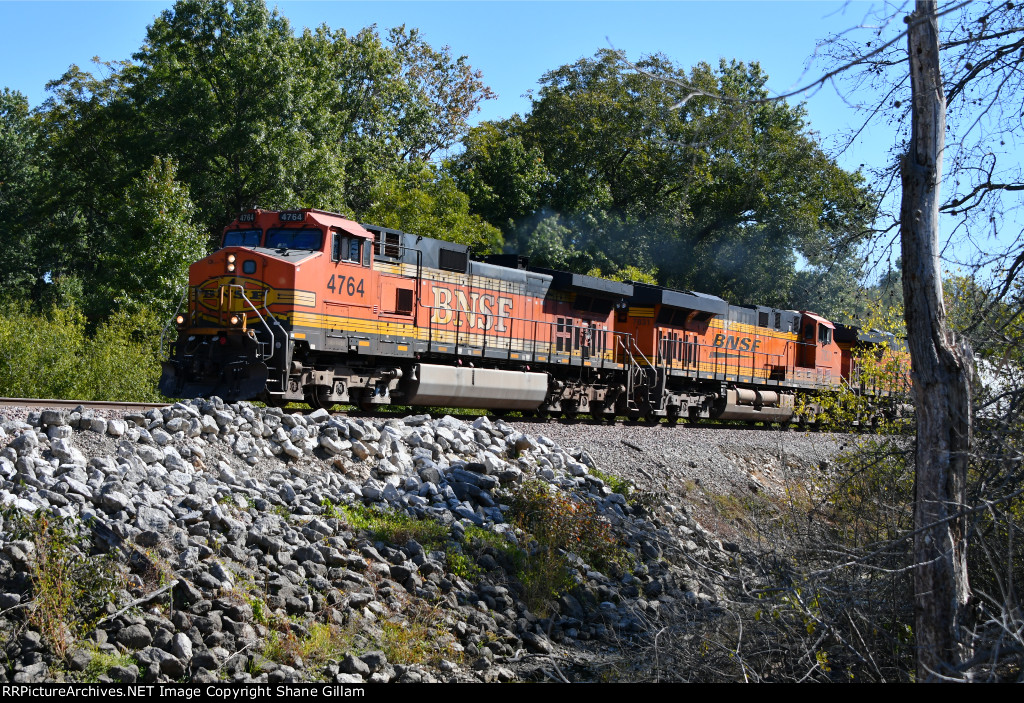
(294, 297)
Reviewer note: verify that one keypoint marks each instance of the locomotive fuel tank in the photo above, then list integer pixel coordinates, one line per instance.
(478, 388)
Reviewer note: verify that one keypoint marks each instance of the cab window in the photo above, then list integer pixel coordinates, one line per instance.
(288, 238)
(824, 335)
(243, 238)
(345, 248)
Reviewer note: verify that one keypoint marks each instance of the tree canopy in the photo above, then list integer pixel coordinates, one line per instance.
(617, 165)
(223, 107)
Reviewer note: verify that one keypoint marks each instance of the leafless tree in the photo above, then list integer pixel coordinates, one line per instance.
(941, 370)
(955, 95)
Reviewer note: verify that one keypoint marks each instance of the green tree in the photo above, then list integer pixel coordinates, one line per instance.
(503, 178)
(153, 241)
(219, 86)
(239, 112)
(727, 192)
(19, 179)
(429, 203)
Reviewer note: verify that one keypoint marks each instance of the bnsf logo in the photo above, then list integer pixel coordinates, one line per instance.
(739, 343)
(482, 311)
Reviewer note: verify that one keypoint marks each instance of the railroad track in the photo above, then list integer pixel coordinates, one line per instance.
(120, 406)
(582, 420)
(41, 403)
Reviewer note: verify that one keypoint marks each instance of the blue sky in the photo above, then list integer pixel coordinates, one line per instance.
(513, 43)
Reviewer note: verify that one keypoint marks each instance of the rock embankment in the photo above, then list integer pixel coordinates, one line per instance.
(239, 554)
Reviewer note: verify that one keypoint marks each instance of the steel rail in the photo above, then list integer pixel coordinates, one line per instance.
(72, 404)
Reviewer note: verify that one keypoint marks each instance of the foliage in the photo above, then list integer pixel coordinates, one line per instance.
(502, 176)
(100, 663)
(53, 355)
(223, 108)
(461, 564)
(615, 483)
(416, 638)
(70, 588)
(428, 203)
(154, 224)
(558, 526)
(395, 527)
(19, 177)
(613, 164)
(879, 380)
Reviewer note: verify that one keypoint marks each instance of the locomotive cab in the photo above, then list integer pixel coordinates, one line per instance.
(251, 308)
(818, 356)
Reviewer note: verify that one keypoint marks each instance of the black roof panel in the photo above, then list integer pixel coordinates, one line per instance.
(646, 294)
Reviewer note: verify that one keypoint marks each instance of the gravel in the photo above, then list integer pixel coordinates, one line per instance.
(718, 459)
(233, 503)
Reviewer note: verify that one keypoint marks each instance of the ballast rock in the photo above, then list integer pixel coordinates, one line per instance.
(225, 522)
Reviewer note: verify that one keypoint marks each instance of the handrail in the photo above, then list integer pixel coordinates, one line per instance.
(163, 332)
(231, 287)
(454, 327)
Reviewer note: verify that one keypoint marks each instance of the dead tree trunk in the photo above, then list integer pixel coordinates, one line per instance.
(940, 370)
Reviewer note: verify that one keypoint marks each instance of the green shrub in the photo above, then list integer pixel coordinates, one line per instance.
(559, 525)
(54, 355)
(70, 589)
(616, 484)
(102, 662)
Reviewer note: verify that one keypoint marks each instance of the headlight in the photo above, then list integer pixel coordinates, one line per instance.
(231, 258)
(231, 268)
(180, 320)
(235, 320)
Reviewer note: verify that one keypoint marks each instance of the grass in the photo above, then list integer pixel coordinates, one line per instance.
(418, 637)
(102, 662)
(394, 527)
(461, 565)
(616, 484)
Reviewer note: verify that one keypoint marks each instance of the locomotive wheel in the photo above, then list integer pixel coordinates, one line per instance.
(366, 402)
(318, 399)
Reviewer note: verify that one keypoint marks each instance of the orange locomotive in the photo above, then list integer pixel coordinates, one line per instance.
(305, 305)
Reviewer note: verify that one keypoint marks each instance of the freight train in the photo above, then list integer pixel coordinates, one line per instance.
(305, 305)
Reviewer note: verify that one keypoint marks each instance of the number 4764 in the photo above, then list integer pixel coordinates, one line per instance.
(345, 284)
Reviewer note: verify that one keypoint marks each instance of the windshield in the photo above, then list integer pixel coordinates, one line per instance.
(305, 239)
(243, 238)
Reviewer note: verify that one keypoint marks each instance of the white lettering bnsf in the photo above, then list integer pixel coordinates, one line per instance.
(480, 310)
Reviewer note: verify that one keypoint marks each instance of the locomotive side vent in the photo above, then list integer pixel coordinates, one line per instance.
(451, 260)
